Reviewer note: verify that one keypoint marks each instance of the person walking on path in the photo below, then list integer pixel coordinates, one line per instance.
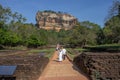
(64, 53)
(57, 47)
(60, 56)
(58, 50)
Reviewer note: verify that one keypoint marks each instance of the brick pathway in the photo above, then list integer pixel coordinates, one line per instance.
(61, 71)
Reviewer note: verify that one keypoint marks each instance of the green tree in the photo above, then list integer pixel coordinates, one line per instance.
(112, 24)
(4, 14)
(7, 17)
(9, 38)
(62, 36)
(96, 30)
(112, 30)
(85, 33)
(79, 36)
(114, 10)
(34, 41)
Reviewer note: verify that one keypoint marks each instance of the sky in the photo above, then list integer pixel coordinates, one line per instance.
(84, 10)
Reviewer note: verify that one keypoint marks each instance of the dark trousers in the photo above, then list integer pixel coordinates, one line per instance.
(64, 56)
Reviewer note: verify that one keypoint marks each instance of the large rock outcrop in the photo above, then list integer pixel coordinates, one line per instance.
(55, 20)
(99, 66)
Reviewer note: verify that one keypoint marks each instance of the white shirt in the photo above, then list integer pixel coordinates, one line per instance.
(64, 51)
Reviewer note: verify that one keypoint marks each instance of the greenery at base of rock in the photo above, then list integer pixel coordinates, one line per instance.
(104, 48)
(15, 32)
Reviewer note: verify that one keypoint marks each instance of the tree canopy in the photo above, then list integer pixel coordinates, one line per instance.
(14, 32)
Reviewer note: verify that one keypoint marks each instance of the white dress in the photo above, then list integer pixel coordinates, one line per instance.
(60, 56)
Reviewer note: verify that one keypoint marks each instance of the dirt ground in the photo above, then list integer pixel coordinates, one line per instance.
(29, 66)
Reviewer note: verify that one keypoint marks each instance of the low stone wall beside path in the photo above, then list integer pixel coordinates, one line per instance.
(29, 67)
(99, 65)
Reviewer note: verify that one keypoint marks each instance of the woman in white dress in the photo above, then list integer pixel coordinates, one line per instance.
(60, 56)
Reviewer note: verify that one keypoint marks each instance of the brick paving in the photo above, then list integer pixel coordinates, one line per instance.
(64, 70)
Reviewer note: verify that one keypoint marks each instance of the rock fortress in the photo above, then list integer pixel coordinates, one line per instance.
(50, 20)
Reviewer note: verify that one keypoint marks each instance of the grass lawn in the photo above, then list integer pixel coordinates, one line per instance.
(74, 52)
(105, 47)
(46, 52)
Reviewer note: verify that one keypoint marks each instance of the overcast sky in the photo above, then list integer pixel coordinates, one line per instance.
(85, 10)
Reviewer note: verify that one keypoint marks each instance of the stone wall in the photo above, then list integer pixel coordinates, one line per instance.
(29, 67)
(99, 66)
(54, 20)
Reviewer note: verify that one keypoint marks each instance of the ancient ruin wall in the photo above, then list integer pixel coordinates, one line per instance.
(99, 66)
(29, 67)
(55, 20)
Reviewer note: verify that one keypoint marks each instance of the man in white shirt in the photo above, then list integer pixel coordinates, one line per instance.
(64, 53)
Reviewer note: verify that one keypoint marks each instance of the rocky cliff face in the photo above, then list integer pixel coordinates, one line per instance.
(55, 20)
